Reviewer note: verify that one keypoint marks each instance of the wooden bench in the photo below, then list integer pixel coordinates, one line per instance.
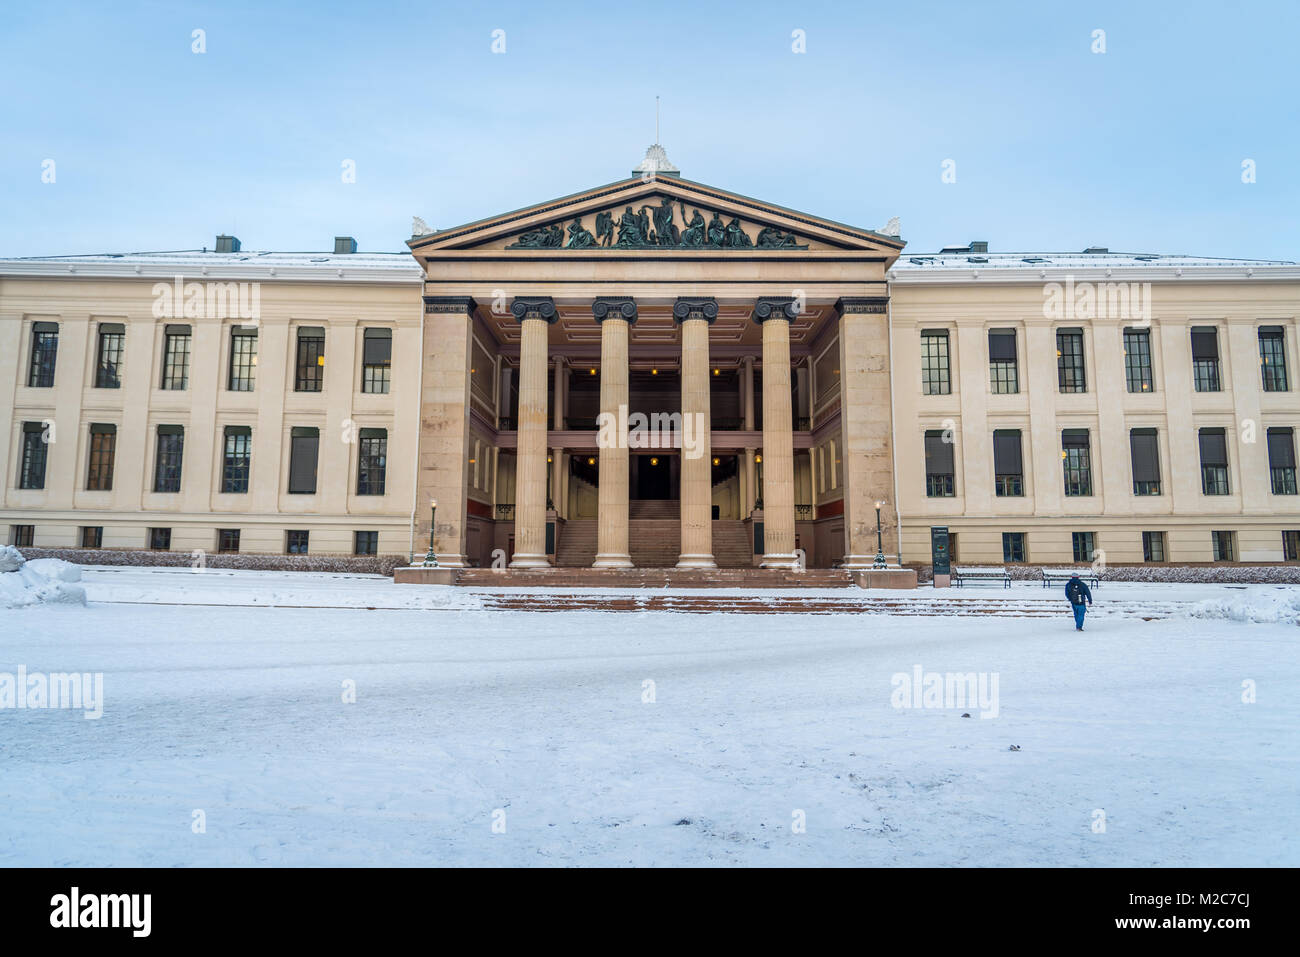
(961, 576)
(1055, 576)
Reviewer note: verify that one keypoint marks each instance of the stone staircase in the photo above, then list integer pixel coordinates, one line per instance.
(561, 578)
(654, 538)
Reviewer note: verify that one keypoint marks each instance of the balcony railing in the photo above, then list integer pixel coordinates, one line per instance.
(505, 512)
(507, 424)
(803, 512)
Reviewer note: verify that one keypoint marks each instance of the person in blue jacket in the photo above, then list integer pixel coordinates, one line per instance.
(1078, 592)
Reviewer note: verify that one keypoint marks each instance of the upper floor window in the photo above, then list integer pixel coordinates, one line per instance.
(372, 462)
(236, 459)
(1070, 375)
(1002, 361)
(1137, 360)
(376, 360)
(31, 466)
(1145, 451)
(108, 359)
(935, 374)
(243, 358)
(99, 467)
(1281, 461)
(1214, 461)
(939, 480)
(45, 351)
(167, 458)
(309, 374)
(1076, 454)
(1205, 359)
(1008, 469)
(176, 358)
(1272, 358)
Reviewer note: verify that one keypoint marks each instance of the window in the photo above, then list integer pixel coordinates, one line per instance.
(22, 536)
(92, 536)
(1145, 451)
(31, 466)
(1076, 454)
(243, 358)
(1281, 461)
(1002, 361)
(227, 540)
(236, 459)
(103, 443)
(296, 542)
(1008, 469)
(1205, 358)
(1070, 375)
(935, 377)
(160, 539)
(938, 465)
(108, 362)
(304, 443)
(376, 360)
(167, 459)
(1013, 547)
(367, 543)
(1137, 360)
(310, 369)
(1272, 358)
(1290, 546)
(1153, 546)
(372, 461)
(1214, 462)
(1083, 545)
(1224, 544)
(45, 351)
(176, 358)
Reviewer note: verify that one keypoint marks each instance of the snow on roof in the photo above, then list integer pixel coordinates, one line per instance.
(964, 265)
(366, 267)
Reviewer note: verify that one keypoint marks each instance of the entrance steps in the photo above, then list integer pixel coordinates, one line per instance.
(552, 578)
(652, 542)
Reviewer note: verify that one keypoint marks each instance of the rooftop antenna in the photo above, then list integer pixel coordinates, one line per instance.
(656, 119)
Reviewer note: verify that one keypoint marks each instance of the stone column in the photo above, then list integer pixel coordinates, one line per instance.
(695, 316)
(558, 410)
(778, 434)
(535, 317)
(748, 484)
(615, 316)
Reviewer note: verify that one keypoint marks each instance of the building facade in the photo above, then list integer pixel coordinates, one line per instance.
(653, 373)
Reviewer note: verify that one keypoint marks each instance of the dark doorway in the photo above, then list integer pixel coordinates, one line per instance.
(652, 476)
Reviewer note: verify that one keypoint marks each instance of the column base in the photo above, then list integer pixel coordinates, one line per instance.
(529, 561)
(613, 561)
(779, 560)
(696, 561)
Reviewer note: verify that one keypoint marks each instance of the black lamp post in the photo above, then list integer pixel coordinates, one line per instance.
(430, 559)
(880, 544)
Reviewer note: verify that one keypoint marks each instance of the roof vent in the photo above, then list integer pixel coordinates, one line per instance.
(979, 245)
(344, 245)
(1096, 249)
(227, 244)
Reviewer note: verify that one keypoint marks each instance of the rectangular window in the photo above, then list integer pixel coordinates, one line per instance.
(1281, 461)
(935, 377)
(1076, 454)
(310, 374)
(1083, 544)
(176, 358)
(938, 465)
(1070, 374)
(1214, 461)
(236, 459)
(296, 541)
(1145, 450)
(1272, 358)
(22, 536)
(103, 444)
(1153, 546)
(160, 539)
(1002, 362)
(167, 459)
(45, 352)
(367, 543)
(376, 360)
(303, 448)
(31, 466)
(1205, 358)
(1137, 360)
(1013, 547)
(372, 461)
(108, 360)
(227, 540)
(243, 358)
(92, 536)
(1225, 546)
(1291, 546)
(1008, 467)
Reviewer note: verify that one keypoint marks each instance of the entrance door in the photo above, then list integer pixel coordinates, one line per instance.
(654, 476)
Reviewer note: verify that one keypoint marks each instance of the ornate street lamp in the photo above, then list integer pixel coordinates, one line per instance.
(880, 545)
(431, 560)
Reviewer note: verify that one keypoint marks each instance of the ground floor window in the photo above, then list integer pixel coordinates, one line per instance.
(1224, 546)
(1083, 544)
(160, 539)
(227, 540)
(92, 536)
(296, 541)
(1013, 547)
(22, 536)
(1291, 546)
(1153, 546)
(366, 543)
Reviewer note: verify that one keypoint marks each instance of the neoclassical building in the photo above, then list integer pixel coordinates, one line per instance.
(653, 373)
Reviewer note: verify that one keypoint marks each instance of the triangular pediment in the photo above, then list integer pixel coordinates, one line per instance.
(656, 215)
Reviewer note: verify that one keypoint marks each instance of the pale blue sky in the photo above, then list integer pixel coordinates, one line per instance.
(1056, 147)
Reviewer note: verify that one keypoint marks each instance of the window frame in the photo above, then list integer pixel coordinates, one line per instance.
(936, 362)
(1071, 365)
(1138, 361)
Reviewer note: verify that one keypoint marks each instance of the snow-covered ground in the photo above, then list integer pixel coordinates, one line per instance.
(548, 727)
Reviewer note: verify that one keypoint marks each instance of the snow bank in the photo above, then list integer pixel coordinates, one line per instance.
(1259, 605)
(24, 583)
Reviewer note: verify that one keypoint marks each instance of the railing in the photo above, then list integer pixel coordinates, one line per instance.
(505, 512)
(804, 512)
(580, 425)
(506, 424)
(802, 423)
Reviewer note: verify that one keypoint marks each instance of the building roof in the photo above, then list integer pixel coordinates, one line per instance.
(397, 267)
(964, 264)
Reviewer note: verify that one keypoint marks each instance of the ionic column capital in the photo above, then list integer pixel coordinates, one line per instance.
(685, 308)
(869, 305)
(534, 307)
(775, 307)
(614, 307)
